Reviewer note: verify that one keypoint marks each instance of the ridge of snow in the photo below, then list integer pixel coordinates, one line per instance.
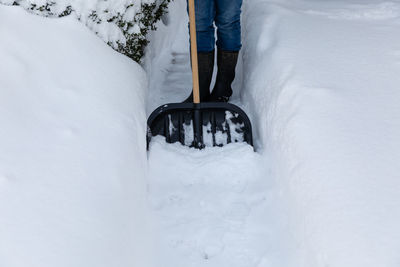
(72, 148)
(325, 97)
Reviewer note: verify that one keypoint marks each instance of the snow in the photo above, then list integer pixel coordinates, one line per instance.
(208, 205)
(323, 81)
(122, 24)
(319, 80)
(211, 207)
(72, 149)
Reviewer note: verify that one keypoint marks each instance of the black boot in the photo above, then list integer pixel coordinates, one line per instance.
(206, 68)
(226, 61)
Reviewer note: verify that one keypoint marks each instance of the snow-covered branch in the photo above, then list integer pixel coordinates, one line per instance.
(123, 24)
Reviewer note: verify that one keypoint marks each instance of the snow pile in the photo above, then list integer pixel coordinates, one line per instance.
(123, 24)
(321, 79)
(72, 148)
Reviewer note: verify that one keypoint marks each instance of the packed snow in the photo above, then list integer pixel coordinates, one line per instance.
(319, 80)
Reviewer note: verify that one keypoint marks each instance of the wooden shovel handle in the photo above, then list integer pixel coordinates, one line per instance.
(193, 50)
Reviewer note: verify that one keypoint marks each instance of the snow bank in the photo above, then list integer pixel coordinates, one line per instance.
(72, 147)
(321, 79)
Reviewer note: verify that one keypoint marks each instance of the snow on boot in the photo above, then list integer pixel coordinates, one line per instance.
(206, 68)
(226, 61)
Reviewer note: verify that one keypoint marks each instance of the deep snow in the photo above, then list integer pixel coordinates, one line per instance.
(323, 80)
(319, 80)
(72, 160)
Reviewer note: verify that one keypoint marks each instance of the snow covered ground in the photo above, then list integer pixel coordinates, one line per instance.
(319, 80)
(72, 156)
(214, 207)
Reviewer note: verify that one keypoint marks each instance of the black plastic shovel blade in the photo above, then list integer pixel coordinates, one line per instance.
(201, 125)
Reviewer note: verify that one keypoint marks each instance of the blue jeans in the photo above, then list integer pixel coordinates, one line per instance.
(226, 15)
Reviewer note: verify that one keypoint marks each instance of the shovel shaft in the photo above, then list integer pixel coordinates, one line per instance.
(193, 51)
(197, 129)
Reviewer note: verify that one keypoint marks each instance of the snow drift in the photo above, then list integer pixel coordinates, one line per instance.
(72, 149)
(321, 79)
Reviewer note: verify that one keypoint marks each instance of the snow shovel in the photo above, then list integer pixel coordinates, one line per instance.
(196, 124)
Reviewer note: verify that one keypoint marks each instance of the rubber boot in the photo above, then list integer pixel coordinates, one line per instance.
(226, 61)
(206, 68)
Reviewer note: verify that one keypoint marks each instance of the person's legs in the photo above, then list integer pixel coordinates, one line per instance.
(227, 20)
(205, 15)
(229, 43)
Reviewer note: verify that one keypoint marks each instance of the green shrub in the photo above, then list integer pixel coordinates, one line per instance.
(123, 24)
